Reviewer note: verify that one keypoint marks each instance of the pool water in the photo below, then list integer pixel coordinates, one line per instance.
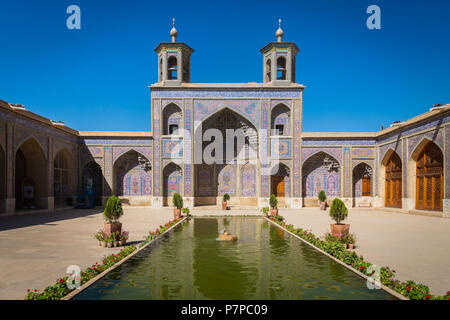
(264, 263)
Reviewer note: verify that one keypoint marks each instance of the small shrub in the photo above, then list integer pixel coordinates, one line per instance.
(226, 197)
(185, 211)
(349, 239)
(322, 196)
(177, 200)
(113, 210)
(265, 210)
(338, 210)
(273, 201)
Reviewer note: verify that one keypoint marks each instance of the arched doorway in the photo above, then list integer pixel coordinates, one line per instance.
(92, 178)
(172, 182)
(321, 171)
(362, 184)
(430, 178)
(2, 180)
(132, 178)
(63, 179)
(280, 183)
(31, 176)
(393, 181)
(234, 140)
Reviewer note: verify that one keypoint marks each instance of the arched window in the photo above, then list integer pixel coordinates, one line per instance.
(268, 70)
(281, 68)
(172, 68)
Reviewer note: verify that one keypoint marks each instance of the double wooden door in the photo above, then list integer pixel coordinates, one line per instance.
(430, 179)
(393, 182)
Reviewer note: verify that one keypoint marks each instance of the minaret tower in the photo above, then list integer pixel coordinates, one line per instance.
(279, 60)
(174, 60)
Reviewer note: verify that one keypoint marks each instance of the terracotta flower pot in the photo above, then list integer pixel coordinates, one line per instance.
(176, 213)
(351, 246)
(103, 244)
(122, 243)
(116, 243)
(113, 227)
(224, 205)
(109, 244)
(274, 212)
(338, 229)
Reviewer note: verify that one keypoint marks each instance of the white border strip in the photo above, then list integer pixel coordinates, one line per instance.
(387, 289)
(104, 273)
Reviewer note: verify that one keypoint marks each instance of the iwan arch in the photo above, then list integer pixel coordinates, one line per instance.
(404, 166)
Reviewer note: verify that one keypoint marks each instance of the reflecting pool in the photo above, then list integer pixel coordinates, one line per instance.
(264, 263)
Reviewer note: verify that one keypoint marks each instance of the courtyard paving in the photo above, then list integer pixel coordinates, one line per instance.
(36, 249)
(415, 246)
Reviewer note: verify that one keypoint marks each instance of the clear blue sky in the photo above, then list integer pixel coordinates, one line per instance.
(96, 78)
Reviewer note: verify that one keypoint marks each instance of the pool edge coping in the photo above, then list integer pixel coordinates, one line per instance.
(104, 273)
(385, 288)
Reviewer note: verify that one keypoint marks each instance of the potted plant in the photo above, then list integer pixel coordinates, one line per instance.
(350, 240)
(112, 213)
(110, 242)
(322, 200)
(186, 211)
(265, 211)
(177, 201)
(225, 199)
(123, 237)
(273, 202)
(115, 238)
(339, 212)
(100, 236)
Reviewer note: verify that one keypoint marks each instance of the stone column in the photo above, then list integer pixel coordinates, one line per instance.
(289, 65)
(296, 176)
(164, 65)
(50, 196)
(274, 65)
(188, 154)
(180, 65)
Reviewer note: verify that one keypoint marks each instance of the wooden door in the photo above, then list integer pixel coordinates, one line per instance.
(430, 179)
(393, 182)
(366, 187)
(278, 186)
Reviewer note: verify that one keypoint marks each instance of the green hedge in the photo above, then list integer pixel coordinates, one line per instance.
(409, 289)
(59, 290)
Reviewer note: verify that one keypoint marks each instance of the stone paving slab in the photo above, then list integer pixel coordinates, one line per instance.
(416, 246)
(36, 249)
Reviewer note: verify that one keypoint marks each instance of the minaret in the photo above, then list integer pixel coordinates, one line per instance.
(174, 60)
(279, 60)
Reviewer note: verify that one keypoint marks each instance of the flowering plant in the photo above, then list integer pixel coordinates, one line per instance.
(123, 236)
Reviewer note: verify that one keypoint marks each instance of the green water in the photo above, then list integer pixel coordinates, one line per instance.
(265, 263)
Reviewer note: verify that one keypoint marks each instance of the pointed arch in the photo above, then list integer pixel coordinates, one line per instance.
(391, 166)
(131, 177)
(428, 162)
(172, 116)
(280, 123)
(321, 171)
(31, 137)
(362, 174)
(31, 175)
(280, 180)
(173, 177)
(420, 147)
(226, 180)
(318, 152)
(224, 107)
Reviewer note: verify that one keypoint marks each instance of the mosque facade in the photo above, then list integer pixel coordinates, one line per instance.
(261, 150)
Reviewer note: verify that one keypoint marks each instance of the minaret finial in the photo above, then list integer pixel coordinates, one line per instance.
(173, 32)
(279, 33)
